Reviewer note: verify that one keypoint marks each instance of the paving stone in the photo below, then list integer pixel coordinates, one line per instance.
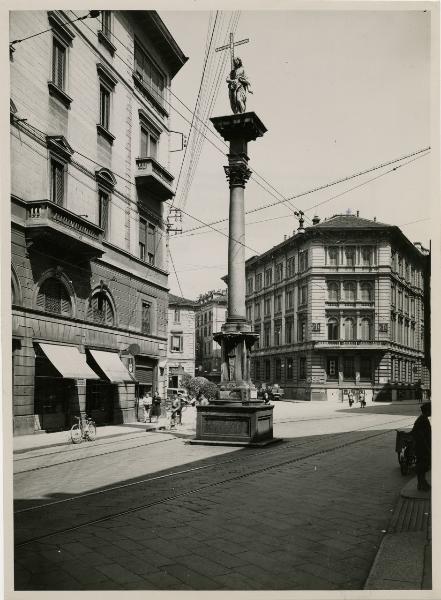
(118, 573)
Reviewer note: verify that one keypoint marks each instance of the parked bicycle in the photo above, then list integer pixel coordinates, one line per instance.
(85, 429)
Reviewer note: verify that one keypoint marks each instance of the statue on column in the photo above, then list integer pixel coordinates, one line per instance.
(238, 87)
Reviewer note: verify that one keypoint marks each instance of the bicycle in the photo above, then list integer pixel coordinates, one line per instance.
(85, 429)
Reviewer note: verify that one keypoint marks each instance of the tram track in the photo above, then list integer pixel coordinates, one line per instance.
(164, 495)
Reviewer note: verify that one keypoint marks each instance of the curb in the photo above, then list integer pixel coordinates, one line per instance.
(403, 560)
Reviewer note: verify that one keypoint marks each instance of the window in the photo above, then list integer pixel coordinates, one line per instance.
(412, 335)
(393, 327)
(149, 143)
(349, 289)
(303, 260)
(257, 369)
(301, 330)
(393, 295)
(289, 331)
(279, 272)
(257, 311)
(104, 107)
(106, 17)
(400, 266)
(290, 267)
(400, 300)
(258, 282)
(103, 210)
(267, 370)
(406, 270)
(268, 277)
(147, 241)
(333, 288)
(100, 309)
(257, 331)
(267, 307)
(53, 297)
(267, 335)
(333, 256)
(149, 74)
(289, 369)
(366, 292)
(303, 294)
(348, 367)
(249, 285)
(57, 182)
(412, 307)
(366, 329)
(146, 317)
(278, 369)
(400, 330)
(406, 332)
(205, 317)
(333, 333)
(59, 52)
(302, 367)
(406, 303)
(278, 306)
(289, 300)
(177, 315)
(176, 343)
(205, 331)
(332, 367)
(350, 256)
(365, 368)
(248, 309)
(366, 256)
(277, 333)
(349, 329)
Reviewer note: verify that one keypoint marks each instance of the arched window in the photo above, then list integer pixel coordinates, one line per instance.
(333, 291)
(366, 292)
(349, 288)
(333, 333)
(349, 329)
(100, 309)
(53, 297)
(366, 329)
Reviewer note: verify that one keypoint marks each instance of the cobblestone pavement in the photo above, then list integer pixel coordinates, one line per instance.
(306, 514)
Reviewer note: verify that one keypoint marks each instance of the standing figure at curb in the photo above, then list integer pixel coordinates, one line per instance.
(421, 434)
(238, 86)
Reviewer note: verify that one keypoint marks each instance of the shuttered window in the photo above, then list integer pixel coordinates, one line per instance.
(53, 297)
(103, 199)
(100, 310)
(106, 23)
(149, 144)
(151, 243)
(58, 64)
(149, 74)
(57, 182)
(104, 107)
(147, 241)
(146, 317)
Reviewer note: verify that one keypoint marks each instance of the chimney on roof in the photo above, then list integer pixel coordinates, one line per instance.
(358, 213)
(315, 220)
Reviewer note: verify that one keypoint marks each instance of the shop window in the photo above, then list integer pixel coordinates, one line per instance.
(348, 367)
(333, 329)
(53, 298)
(365, 368)
(332, 367)
(100, 309)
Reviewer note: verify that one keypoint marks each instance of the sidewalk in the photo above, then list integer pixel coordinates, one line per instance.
(404, 559)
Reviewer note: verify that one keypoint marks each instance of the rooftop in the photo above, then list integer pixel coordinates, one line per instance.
(179, 300)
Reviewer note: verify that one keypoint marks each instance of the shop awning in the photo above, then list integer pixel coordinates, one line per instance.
(112, 366)
(68, 361)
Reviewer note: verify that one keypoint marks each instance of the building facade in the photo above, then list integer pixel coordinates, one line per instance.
(90, 176)
(181, 353)
(210, 316)
(340, 306)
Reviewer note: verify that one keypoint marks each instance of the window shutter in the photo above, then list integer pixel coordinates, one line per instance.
(104, 213)
(142, 231)
(151, 239)
(144, 143)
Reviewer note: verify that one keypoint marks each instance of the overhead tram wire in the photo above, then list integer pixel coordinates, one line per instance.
(174, 269)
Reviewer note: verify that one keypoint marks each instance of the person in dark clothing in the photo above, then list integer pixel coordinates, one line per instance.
(421, 434)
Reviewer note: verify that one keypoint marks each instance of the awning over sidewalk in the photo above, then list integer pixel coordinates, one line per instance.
(112, 366)
(68, 361)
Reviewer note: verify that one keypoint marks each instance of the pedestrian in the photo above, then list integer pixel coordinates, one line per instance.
(146, 403)
(155, 410)
(350, 399)
(362, 399)
(265, 397)
(176, 414)
(421, 434)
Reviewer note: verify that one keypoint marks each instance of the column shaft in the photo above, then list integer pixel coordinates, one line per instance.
(236, 255)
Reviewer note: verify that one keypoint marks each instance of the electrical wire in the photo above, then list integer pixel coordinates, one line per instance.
(174, 269)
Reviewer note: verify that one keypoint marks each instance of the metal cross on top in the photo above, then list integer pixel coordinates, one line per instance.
(231, 47)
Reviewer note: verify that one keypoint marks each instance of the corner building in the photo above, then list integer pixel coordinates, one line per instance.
(90, 145)
(182, 340)
(211, 314)
(340, 306)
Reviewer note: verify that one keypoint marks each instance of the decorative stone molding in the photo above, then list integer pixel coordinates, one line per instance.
(237, 174)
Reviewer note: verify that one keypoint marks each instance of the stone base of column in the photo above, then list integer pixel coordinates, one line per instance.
(234, 425)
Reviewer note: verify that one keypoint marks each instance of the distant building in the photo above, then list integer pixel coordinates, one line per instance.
(210, 316)
(341, 305)
(89, 178)
(181, 351)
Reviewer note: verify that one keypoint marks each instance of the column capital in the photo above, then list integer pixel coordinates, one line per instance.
(237, 174)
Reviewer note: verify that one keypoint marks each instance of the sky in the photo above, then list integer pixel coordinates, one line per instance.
(339, 92)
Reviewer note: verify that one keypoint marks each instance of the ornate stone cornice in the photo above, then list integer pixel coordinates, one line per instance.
(237, 174)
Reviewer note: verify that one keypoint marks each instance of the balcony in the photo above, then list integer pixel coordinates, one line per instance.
(56, 227)
(151, 175)
(351, 344)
